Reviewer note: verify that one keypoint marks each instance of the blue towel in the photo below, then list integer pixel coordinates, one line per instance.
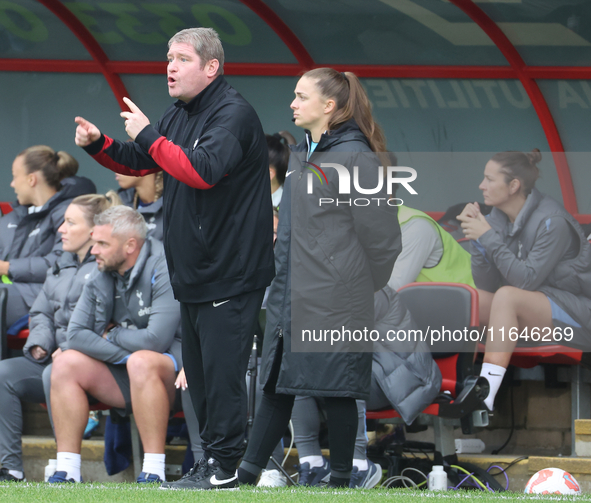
(118, 451)
(18, 325)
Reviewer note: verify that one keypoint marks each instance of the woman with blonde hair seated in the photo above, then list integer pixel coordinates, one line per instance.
(21, 379)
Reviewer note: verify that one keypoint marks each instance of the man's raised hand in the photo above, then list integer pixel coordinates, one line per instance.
(86, 132)
(135, 120)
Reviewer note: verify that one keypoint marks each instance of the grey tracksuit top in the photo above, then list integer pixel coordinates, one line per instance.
(53, 308)
(146, 314)
(543, 250)
(31, 243)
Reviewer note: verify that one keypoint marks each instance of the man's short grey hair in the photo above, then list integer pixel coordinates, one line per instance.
(125, 221)
(206, 43)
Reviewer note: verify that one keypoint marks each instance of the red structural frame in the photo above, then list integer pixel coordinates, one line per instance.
(282, 30)
(292, 70)
(537, 98)
(92, 46)
(517, 69)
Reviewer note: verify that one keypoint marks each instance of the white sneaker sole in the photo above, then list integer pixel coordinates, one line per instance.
(374, 480)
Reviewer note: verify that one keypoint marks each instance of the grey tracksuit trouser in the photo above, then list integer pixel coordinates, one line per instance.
(306, 419)
(21, 380)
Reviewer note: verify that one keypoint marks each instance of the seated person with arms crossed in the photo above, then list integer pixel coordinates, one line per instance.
(124, 345)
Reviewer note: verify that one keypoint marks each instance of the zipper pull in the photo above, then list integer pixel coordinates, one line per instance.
(280, 332)
(519, 251)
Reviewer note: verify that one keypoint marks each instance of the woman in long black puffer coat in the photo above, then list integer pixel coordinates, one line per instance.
(333, 251)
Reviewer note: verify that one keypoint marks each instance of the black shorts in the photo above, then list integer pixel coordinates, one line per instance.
(121, 376)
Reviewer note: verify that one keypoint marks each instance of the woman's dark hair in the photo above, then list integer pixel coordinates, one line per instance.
(521, 166)
(278, 154)
(351, 102)
(55, 166)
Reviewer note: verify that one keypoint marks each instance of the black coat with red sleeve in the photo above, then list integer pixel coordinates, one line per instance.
(218, 229)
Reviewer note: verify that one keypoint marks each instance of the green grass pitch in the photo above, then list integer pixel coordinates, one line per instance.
(132, 493)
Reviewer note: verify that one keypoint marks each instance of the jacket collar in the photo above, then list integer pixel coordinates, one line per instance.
(135, 272)
(71, 187)
(206, 97)
(531, 203)
(69, 259)
(154, 207)
(50, 204)
(127, 197)
(348, 131)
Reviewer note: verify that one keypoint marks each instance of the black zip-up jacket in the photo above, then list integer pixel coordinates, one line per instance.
(218, 229)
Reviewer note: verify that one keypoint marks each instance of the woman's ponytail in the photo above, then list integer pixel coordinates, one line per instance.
(54, 166)
(94, 204)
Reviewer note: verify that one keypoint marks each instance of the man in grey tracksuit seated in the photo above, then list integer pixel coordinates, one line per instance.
(124, 346)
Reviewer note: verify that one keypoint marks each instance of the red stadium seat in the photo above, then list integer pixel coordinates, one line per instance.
(555, 354)
(5, 208)
(451, 306)
(18, 341)
(526, 358)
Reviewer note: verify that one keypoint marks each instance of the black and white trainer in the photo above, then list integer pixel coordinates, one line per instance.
(189, 479)
(216, 478)
(6, 476)
(209, 475)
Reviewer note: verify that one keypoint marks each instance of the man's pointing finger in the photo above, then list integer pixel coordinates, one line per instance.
(132, 106)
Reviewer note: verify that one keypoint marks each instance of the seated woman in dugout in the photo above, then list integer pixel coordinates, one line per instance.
(531, 264)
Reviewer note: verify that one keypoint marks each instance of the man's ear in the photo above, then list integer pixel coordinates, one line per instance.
(211, 68)
(130, 246)
(32, 179)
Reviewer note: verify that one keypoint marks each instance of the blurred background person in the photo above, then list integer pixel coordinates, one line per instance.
(44, 183)
(144, 193)
(278, 145)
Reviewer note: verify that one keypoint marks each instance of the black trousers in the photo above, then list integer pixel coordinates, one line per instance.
(272, 418)
(217, 341)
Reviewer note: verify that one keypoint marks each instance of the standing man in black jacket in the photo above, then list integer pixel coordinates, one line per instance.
(218, 233)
